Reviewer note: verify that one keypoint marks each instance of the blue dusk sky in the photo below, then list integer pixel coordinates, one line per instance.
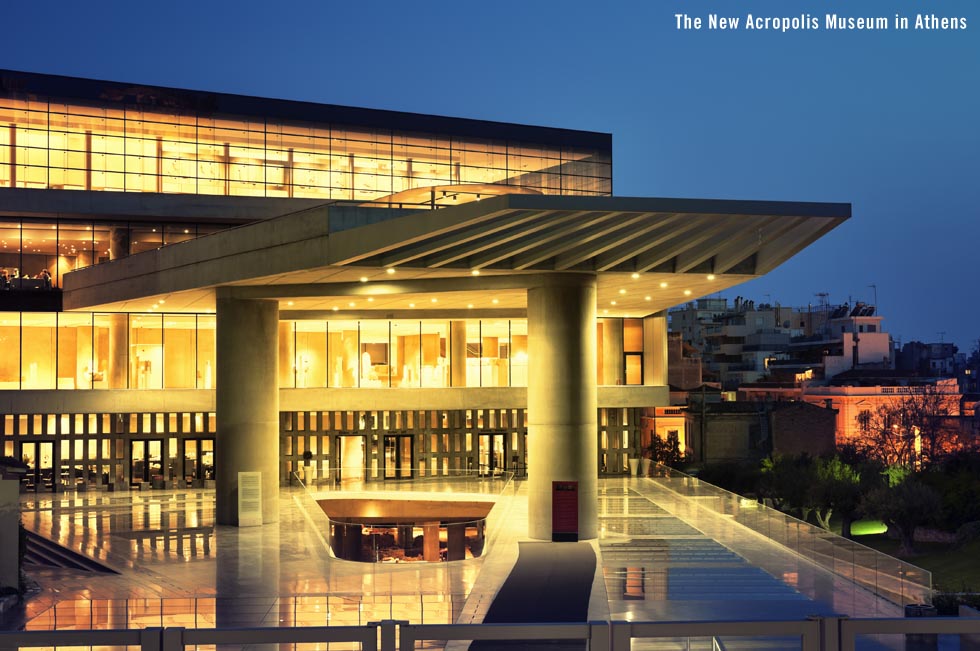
(886, 120)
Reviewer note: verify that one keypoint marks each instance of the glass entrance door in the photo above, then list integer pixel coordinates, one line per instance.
(39, 457)
(350, 458)
(491, 453)
(198, 459)
(146, 460)
(398, 457)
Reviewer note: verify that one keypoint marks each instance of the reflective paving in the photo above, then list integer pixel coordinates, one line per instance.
(660, 559)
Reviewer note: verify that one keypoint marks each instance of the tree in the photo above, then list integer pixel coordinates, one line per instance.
(667, 451)
(906, 506)
(786, 482)
(915, 431)
(837, 489)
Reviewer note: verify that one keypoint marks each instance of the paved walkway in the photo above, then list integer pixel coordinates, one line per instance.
(660, 557)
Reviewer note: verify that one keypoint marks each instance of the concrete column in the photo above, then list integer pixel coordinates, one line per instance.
(430, 541)
(118, 242)
(655, 350)
(9, 533)
(561, 398)
(118, 362)
(457, 353)
(613, 371)
(246, 403)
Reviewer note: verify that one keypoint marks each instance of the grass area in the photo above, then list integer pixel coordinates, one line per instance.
(954, 569)
(866, 527)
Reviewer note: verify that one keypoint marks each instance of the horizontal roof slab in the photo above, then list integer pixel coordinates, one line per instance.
(648, 254)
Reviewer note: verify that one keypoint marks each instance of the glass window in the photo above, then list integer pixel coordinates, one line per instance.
(495, 339)
(146, 351)
(311, 354)
(76, 366)
(205, 351)
(343, 353)
(39, 364)
(374, 366)
(518, 353)
(110, 355)
(435, 354)
(9, 351)
(179, 351)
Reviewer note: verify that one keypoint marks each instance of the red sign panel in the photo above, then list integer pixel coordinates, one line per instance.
(564, 511)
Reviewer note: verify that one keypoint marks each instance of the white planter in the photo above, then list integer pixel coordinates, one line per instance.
(645, 467)
(634, 464)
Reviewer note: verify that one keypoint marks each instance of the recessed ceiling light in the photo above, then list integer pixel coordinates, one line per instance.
(351, 304)
(711, 276)
(634, 275)
(687, 292)
(335, 308)
(370, 299)
(390, 270)
(612, 302)
(162, 301)
(475, 272)
(411, 304)
(434, 300)
(495, 301)
(663, 285)
(646, 298)
(622, 291)
(469, 306)
(364, 279)
(605, 311)
(290, 303)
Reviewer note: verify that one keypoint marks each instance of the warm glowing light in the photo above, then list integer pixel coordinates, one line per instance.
(469, 306)
(687, 292)
(370, 299)
(663, 285)
(622, 291)
(634, 275)
(411, 304)
(646, 298)
(495, 301)
(434, 300)
(605, 311)
(351, 304)
(711, 276)
(364, 279)
(475, 272)
(390, 270)
(335, 308)
(612, 302)
(290, 303)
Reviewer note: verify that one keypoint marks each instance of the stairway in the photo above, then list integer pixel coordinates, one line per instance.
(41, 551)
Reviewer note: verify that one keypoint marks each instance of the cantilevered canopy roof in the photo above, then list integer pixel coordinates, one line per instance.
(648, 254)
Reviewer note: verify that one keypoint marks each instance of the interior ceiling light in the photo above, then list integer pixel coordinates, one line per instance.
(646, 298)
(612, 302)
(634, 275)
(364, 279)
(622, 291)
(335, 308)
(495, 301)
(390, 270)
(711, 276)
(663, 285)
(469, 305)
(411, 304)
(475, 272)
(290, 303)
(687, 292)
(434, 300)
(351, 304)
(370, 299)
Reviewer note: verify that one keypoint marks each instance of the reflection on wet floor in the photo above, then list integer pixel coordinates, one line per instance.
(660, 559)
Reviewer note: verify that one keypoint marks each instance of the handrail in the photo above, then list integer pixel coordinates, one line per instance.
(814, 633)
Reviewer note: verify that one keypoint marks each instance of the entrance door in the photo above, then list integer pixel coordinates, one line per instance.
(146, 460)
(399, 460)
(39, 457)
(198, 459)
(350, 458)
(491, 453)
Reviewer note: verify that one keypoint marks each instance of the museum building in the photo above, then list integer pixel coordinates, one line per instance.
(196, 284)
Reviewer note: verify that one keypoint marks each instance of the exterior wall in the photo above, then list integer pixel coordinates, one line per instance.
(799, 428)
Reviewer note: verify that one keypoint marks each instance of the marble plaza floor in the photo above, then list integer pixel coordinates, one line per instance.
(660, 558)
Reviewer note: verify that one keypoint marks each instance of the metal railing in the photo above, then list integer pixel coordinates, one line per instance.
(812, 634)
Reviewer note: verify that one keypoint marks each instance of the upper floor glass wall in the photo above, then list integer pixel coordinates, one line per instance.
(52, 143)
(57, 246)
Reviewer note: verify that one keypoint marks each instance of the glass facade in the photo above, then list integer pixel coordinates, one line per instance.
(48, 142)
(96, 350)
